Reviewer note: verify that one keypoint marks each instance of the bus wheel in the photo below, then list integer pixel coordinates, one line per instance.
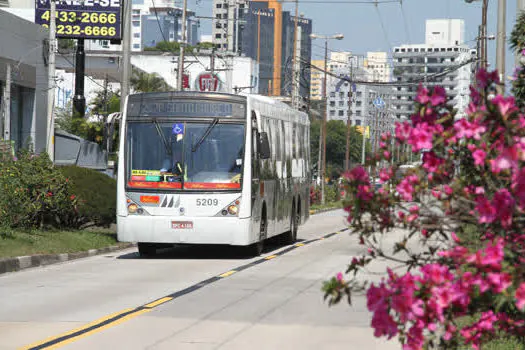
(291, 236)
(147, 250)
(257, 248)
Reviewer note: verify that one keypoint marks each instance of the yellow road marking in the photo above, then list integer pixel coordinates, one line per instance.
(100, 320)
(270, 257)
(158, 302)
(299, 245)
(96, 330)
(229, 273)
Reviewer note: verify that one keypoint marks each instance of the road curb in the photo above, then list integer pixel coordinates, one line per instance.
(315, 212)
(25, 262)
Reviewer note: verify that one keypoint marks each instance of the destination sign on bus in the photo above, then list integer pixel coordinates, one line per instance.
(185, 109)
(87, 19)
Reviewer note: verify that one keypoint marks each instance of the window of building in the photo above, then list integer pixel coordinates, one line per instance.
(358, 94)
(219, 6)
(217, 36)
(332, 103)
(358, 122)
(358, 103)
(341, 113)
(136, 23)
(332, 94)
(456, 49)
(341, 94)
(341, 103)
(136, 35)
(218, 25)
(358, 113)
(332, 113)
(416, 50)
(136, 46)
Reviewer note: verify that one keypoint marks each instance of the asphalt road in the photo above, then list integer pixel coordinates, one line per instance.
(191, 298)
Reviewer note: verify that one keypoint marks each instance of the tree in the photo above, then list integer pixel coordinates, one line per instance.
(517, 43)
(148, 82)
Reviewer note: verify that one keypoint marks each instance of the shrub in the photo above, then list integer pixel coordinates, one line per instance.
(97, 195)
(460, 222)
(332, 193)
(34, 193)
(315, 195)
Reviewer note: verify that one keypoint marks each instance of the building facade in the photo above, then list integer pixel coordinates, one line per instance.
(228, 22)
(443, 60)
(378, 67)
(23, 83)
(267, 37)
(316, 80)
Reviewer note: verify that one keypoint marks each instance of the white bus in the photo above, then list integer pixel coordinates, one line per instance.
(211, 168)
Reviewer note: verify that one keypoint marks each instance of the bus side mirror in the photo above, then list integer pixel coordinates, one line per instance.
(264, 146)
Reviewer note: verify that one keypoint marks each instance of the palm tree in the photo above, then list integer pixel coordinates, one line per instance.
(148, 82)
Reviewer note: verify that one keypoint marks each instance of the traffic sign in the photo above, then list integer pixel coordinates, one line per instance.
(379, 103)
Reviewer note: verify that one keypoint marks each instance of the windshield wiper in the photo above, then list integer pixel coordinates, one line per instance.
(161, 134)
(206, 133)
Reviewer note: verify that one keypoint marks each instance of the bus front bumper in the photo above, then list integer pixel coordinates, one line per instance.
(177, 230)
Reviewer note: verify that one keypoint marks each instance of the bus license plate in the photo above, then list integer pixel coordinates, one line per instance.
(182, 225)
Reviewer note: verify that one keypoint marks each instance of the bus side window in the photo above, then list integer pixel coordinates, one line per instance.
(255, 149)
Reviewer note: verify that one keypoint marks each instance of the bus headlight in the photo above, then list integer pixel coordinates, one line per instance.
(132, 208)
(233, 210)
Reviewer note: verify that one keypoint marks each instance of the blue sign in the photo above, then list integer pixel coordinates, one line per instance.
(379, 102)
(354, 87)
(178, 129)
(87, 19)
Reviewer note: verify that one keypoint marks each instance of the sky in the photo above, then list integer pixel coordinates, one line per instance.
(362, 24)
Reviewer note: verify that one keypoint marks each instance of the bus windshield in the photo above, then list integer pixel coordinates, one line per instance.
(185, 155)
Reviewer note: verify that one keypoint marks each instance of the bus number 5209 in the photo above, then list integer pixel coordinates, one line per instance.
(207, 202)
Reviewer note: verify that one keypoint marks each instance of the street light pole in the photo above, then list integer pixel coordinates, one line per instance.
(500, 44)
(51, 82)
(325, 99)
(182, 46)
(126, 55)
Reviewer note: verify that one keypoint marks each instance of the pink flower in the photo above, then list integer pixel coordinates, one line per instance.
(421, 137)
(504, 205)
(505, 105)
(520, 296)
(468, 130)
(377, 297)
(431, 162)
(384, 324)
(364, 192)
(422, 95)
(487, 213)
(499, 281)
(479, 157)
(518, 187)
(490, 257)
(358, 174)
(403, 131)
(340, 277)
(436, 274)
(406, 187)
(385, 174)
(439, 96)
(507, 159)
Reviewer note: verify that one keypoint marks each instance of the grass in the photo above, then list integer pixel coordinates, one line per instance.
(21, 243)
(331, 205)
(502, 342)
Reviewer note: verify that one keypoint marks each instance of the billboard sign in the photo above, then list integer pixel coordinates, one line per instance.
(85, 19)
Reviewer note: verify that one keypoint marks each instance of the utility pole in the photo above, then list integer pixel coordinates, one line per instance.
(126, 55)
(501, 44)
(7, 104)
(79, 101)
(484, 10)
(349, 118)
(325, 98)
(51, 82)
(295, 93)
(364, 141)
(182, 46)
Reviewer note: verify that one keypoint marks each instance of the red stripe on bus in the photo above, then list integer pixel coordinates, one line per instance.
(140, 184)
(138, 178)
(211, 185)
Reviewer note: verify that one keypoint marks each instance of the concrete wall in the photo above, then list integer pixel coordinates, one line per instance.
(22, 48)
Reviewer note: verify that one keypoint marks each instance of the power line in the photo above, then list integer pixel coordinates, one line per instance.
(382, 24)
(407, 30)
(426, 79)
